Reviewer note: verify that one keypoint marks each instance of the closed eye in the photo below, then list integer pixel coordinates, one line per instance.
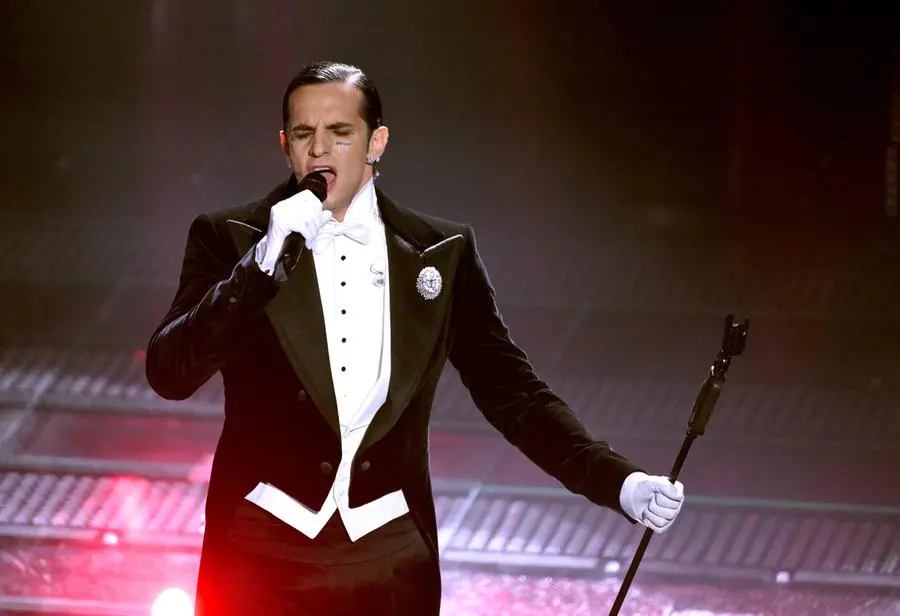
(341, 129)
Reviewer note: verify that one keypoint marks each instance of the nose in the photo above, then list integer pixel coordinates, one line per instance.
(318, 144)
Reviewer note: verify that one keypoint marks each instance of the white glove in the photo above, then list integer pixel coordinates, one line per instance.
(301, 213)
(651, 500)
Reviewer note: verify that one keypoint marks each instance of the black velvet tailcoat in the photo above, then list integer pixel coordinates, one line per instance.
(266, 335)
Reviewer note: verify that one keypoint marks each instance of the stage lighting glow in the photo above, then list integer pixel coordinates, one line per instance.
(110, 538)
(172, 602)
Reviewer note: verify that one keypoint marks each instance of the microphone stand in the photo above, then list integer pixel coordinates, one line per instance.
(733, 340)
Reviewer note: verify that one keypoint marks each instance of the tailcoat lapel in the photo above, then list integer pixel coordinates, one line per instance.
(416, 322)
(296, 310)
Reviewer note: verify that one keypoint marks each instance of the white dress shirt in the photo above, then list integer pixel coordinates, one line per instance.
(354, 290)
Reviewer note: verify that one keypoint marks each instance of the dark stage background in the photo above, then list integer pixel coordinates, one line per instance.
(590, 139)
(633, 171)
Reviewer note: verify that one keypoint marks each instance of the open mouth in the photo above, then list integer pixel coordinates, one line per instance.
(327, 172)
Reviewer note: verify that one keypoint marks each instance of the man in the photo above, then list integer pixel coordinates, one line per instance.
(330, 351)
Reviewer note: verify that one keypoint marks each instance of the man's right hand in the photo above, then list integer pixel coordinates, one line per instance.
(301, 213)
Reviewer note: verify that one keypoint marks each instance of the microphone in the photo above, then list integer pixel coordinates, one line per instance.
(316, 183)
(293, 245)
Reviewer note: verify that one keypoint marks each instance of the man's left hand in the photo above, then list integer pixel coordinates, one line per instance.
(652, 500)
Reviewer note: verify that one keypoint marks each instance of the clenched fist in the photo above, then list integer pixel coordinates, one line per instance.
(652, 500)
(301, 213)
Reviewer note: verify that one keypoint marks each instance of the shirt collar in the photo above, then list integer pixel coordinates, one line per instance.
(363, 209)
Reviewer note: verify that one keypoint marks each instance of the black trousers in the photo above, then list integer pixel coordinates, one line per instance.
(272, 569)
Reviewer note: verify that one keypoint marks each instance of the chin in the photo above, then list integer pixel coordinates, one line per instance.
(334, 205)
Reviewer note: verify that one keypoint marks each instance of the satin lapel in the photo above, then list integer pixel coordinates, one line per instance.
(415, 321)
(296, 315)
(243, 235)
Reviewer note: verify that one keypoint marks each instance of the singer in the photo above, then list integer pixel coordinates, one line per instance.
(330, 311)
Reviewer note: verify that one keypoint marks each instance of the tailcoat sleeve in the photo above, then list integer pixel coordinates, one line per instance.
(505, 388)
(213, 302)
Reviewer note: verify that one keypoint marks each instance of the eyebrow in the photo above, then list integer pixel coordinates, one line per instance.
(332, 126)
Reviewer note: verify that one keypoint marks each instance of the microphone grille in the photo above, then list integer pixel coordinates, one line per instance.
(315, 182)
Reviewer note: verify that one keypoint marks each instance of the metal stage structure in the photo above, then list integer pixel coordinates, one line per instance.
(97, 467)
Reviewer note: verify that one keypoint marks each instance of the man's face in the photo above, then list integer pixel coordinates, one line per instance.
(326, 131)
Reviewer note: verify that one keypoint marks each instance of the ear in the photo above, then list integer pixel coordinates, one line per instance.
(378, 142)
(285, 148)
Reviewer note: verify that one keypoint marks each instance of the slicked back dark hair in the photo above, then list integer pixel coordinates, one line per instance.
(329, 72)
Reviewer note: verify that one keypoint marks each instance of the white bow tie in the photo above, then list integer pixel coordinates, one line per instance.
(357, 232)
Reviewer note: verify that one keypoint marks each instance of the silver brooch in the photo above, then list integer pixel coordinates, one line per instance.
(429, 283)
